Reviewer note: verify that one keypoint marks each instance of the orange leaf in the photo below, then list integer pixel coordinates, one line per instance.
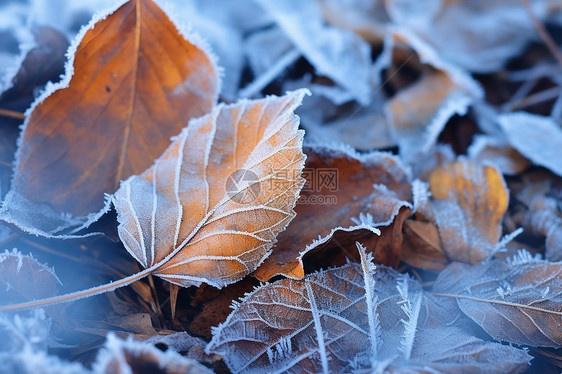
(180, 219)
(368, 192)
(469, 203)
(209, 209)
(132, 83)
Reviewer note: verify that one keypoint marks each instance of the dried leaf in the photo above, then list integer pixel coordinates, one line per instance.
(416, 117)
(24, 278)
(345, 192)
(351, 319)
(336, 53)
(478, 36)
(195, 227)
(364, 17)
(130, 356)
(124, 94)
(31, 361)
(469, 203)
(422, 246)
(496, 151)
(538, 138)
(542, 215)
(518, 300)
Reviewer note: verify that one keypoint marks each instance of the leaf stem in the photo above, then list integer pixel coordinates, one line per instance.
(12, 114)
(80, 294)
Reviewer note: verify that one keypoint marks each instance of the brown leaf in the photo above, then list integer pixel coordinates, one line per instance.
(422, 247)
(209, 209)
(132, 83)
(365, 192)
(469, 203)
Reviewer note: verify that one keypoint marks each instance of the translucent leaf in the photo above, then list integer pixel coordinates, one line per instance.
(329, 322)
(518, 300)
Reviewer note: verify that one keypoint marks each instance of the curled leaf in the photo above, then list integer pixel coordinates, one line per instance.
(469, 203)
(132, 81)
(517, 301)
(210, 208)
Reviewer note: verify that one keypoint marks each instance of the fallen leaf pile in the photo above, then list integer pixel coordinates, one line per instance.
(282, 186)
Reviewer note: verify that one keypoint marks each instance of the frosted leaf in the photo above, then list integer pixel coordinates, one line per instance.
(184, 222)
(536, 137)
(497, 151)
(32, 361)
(348, 197)
(128, 356)
(367, 18)
(415, 117)
(365, 128)
(321, 324)
(339, 54)
(469, 201)
(543, 215)
(24, 278)
(516, 301)
(477, 35)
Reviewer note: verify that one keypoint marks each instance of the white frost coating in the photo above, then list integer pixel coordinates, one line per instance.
(317, 326)
(63, 225)
(9, 72)
(256, 335)
(410, 305)
(369, 269)
(513, 300)
(522, 130)
(15, 253)
(418, 138)
(523, 257)
(337, 53)
(192, 173)
(116, 355)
